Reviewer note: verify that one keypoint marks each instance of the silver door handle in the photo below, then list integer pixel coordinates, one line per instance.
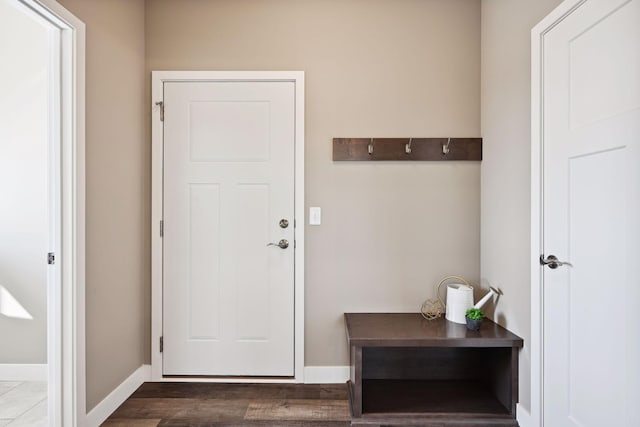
(282, 244)
(553, 262)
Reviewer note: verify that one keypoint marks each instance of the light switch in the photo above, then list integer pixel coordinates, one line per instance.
(315, 216)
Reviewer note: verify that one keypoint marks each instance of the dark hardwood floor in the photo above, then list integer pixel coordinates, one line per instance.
(234, 405)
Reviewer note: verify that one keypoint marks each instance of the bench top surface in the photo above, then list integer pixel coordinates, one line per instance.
(412, 330)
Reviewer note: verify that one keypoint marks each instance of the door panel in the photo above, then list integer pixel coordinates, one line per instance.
(204, 268)
(253, 290)
(597, 219)
(219, 132)
(602, 80)
(591, 216)
(228, 181)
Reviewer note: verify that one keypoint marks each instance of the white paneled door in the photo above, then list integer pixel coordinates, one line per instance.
(591, 216)
(228, 296)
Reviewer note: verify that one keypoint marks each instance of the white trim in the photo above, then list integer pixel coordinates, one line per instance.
(326, 374)
(523, 416)
(109, 404)
(535, 417)
(23, 372)
(157, 80)
(298, 78)
(66, 311)
(54, 272)
(231, 380)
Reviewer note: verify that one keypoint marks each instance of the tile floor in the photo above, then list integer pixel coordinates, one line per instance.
(23, 404)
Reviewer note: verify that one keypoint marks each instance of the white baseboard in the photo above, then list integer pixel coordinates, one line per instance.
(524, 417)
(326, 374)
(109, 404)
(23, 372)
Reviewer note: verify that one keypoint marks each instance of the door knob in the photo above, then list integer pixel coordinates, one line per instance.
(553, 262)
(282, 244)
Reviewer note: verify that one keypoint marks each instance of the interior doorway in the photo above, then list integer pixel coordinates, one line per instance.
(29, 229)
(41, 215)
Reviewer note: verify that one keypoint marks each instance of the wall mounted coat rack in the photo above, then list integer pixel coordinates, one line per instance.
(432, 149)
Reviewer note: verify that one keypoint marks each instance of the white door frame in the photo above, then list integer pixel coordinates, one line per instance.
(538, 34)
(158, 78)
(66, 304)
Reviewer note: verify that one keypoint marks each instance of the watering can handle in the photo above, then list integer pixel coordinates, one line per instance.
(442, 282)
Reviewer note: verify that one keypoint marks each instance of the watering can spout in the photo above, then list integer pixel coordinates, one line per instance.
(460, 299)
(487, 297)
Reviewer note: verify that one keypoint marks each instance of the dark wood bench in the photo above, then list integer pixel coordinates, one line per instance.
(406, 370)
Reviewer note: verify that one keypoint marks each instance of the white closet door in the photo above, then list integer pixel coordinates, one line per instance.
(591, 114)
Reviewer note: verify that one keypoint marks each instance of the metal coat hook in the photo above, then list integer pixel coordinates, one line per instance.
(370, 147)
(445, 147)
(407, 147)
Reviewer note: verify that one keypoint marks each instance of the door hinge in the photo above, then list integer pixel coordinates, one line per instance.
(161, 105)
(161, 228)
(51, 258)
(161, 344)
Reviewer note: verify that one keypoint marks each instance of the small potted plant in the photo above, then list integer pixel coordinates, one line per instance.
(474, 318)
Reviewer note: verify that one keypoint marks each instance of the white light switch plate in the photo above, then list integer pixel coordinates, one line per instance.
(315, 216)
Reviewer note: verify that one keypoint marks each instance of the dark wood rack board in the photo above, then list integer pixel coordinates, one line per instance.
(429, 149)
(406, 370)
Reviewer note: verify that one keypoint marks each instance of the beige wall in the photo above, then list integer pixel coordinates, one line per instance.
(506, 106)
(383, 68)
(24, 227)
(374, 68)
(117, 192)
